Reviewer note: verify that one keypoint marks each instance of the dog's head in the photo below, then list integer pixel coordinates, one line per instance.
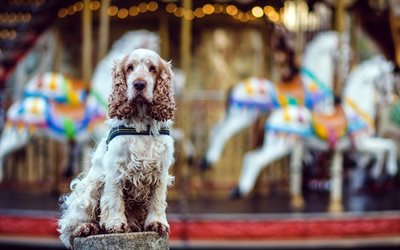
(142, 77)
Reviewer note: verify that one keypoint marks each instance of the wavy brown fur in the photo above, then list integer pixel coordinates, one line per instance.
(163, 105)
(118, 105)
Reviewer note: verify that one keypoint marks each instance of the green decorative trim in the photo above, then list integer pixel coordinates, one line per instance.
(99, 98)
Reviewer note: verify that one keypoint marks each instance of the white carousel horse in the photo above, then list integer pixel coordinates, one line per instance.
(291, 129)
(39, 59)
(59, 107)
(255, 96)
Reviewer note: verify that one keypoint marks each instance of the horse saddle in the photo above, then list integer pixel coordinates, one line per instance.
(330, 127)
(291, 92)
(74, 113)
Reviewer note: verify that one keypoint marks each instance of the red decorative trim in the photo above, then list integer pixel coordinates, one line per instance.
(234, 229)
(28, 226)
(285, 229)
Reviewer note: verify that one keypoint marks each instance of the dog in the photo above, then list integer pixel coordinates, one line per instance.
(125, 189)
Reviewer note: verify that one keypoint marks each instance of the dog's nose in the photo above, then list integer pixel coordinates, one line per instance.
(139, 84)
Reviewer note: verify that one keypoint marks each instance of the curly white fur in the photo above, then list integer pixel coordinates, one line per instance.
(125, 189)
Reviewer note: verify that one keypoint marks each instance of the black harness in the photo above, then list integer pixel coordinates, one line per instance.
(122, 130)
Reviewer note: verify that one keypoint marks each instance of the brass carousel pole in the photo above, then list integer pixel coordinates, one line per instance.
(186, 39)
(355, 59)
(58, 52)
(87, 43)
(104, 29)
(339, 27)
(299, 34)
(164, 35)
(395, 30)
(335, 203)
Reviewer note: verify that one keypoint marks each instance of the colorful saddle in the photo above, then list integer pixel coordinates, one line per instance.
(291, 92)
(330, 127)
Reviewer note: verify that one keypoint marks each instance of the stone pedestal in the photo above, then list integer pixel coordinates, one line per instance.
(137, 241)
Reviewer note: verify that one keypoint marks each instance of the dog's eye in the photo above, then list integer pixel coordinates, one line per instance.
(129, 68)
(153, 69)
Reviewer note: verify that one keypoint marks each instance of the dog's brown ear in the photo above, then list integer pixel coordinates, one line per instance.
(163, 105)
(118, 104)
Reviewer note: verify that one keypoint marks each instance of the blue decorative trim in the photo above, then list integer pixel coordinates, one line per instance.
(59, 99)
(303, 133)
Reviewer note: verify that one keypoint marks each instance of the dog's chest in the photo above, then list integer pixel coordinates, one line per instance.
(143, 166)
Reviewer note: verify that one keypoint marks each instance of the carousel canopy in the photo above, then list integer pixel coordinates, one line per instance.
(22, 21)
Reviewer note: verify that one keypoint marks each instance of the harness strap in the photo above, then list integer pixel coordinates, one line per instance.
(122, 130)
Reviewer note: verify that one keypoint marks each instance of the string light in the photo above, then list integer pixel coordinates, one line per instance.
(208, 9)
(7, 34)
(94, 5)
(26, 17)
(152, 6)
(133, 11)
(274, 17)
(11, 18)
(171, 8)
(179, 12)
(232, 10)
(112, 10)
(198, 12)
(79, 6)
(123, 13)
(188, 15)
(62, 13)
(12, 34)
(268, 9)
(257, 11)
(71, 10)
(143, 7)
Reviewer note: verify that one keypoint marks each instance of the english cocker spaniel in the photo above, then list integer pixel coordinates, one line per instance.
(125, 189)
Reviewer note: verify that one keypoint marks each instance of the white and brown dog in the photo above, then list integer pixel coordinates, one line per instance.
(125, 189)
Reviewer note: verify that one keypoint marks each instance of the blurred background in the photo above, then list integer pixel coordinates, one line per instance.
(55, 77)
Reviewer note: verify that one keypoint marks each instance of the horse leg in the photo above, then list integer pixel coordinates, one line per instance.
(376, 146)
(221, 133)
(297, 200)
(257, 160)
(72, 162)
(335, 201)
(11, 140)
(378, 165)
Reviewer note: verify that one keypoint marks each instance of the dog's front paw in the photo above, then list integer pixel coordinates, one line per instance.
(84, 230)
(158, 227)
(118, 228)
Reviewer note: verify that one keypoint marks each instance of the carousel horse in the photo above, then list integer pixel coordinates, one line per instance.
(53, 105)
(349, 126)
(61, 108)
(255, 96)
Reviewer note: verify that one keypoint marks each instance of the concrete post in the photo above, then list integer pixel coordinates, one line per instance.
(125, 241)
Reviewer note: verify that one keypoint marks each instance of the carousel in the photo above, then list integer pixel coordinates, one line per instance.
(287, 126)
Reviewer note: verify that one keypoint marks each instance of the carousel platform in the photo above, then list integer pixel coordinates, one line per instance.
(370, 221)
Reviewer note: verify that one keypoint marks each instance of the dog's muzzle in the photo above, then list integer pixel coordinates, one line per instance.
(139, 84)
